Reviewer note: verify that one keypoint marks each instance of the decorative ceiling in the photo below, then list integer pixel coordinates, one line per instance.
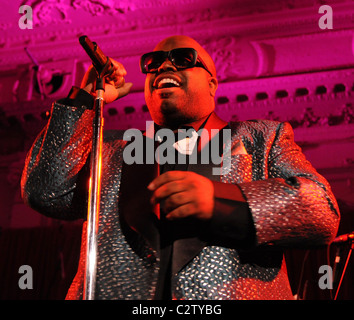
(123, 27)
(273, 61)
(247, 38)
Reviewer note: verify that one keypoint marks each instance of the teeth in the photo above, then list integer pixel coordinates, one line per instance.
(168, 80)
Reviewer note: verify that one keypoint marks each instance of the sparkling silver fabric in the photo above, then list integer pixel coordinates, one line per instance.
(290, 203)
(219, 273)
(51, 185)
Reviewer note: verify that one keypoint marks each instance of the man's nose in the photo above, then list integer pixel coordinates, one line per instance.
(167, 65)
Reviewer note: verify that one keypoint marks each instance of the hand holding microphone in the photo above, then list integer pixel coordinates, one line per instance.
(344, 238)
(115, 86)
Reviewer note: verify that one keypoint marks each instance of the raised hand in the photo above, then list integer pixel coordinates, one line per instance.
(115, 86)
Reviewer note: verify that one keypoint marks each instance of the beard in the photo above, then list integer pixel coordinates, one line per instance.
(173, 116)
(177, 109)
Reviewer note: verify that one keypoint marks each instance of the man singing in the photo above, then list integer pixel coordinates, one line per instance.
(213, 236)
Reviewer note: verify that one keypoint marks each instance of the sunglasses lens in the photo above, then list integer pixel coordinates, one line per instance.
(150, 62)
(183, 58)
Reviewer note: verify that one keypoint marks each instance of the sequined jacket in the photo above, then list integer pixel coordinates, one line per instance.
(291, 205)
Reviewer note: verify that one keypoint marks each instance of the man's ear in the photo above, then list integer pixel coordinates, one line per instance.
(213, 85)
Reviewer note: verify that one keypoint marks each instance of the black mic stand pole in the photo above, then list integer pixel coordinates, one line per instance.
(95, 180)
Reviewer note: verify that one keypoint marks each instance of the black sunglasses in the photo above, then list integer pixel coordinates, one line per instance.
(181, 58)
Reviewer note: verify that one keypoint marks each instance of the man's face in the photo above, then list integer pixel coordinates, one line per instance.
(176, 97)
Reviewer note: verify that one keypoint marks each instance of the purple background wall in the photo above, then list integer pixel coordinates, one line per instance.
(273, 61)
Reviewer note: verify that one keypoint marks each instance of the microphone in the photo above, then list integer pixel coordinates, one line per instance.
(344, 238)
(101, 63)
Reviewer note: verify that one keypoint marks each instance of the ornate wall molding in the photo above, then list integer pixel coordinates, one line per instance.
(138, 29)
(272, 58)
(236, 59)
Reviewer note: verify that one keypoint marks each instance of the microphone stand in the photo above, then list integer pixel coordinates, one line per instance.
(345, 267)
(95, 179)
(94, 194)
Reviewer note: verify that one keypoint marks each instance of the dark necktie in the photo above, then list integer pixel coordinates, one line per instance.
(167, 234)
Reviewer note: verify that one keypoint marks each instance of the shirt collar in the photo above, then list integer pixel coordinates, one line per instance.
(211, 121)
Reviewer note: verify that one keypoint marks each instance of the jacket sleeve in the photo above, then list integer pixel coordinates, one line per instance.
(55, 177)
(294, 205)
(288, 204)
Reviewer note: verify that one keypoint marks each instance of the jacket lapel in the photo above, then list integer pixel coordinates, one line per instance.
(134, 205)
(186, 248)
(240, 170)
(238, 159)
(138, 214)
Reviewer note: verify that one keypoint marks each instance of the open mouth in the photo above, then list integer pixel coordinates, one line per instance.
(167, 82)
